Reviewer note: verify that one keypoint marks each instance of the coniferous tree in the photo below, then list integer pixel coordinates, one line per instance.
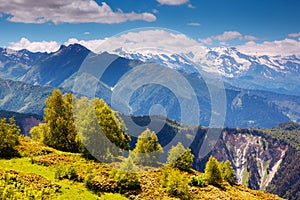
(180, 158)
(227, 171)
(213, 172)
(148, 149)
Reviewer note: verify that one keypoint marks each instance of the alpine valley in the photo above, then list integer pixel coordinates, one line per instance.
(261, 98)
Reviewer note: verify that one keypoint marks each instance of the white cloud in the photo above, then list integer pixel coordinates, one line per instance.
(147, 41)
(155, 11)
(250, 38)
(67, 11)
(194, 24)
(158, 40)
(152, 39)
(90, 44)
(87, 33)
(43, 46)
(206, 40)
(294, 35)
(191, 5)
(226, 36)
(272, 48)
(173, 2)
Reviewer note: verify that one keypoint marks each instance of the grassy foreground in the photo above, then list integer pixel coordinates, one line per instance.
(61, 175)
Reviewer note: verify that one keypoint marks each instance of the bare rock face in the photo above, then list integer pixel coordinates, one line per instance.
(255, 159)
(260, 162)
(28, 123)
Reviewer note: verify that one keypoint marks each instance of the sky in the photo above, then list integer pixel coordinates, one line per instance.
(266, 26)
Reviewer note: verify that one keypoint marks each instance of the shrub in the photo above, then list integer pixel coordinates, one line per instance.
(180, 158)
(126, 177)
(199, 181)
(29, 148)
(176, 183)
(65, 172)
(53, 159)
(100, 183)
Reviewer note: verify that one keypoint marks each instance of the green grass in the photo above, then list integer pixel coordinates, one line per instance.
(246, 176)
(70, 189)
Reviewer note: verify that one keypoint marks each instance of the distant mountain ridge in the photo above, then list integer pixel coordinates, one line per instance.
(262, 72)
(245, 108)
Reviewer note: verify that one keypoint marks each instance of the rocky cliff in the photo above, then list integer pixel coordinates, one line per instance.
(260, 161)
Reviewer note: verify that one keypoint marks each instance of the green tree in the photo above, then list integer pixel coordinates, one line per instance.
(40, 132)
(180, 158)
(147, 150)
(9, 137)
(227, 171)
(59, 119)
(101, 132)
(112, 125)
(213, 172)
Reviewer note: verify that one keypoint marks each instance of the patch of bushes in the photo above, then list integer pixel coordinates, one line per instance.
(126, 177)
(29, 148)
(199, 181)
(100, 183)
(53, 159)
(176, 183)
(66, 172)
(15, 185)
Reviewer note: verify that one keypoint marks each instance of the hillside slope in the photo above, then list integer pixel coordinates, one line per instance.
(38, 168)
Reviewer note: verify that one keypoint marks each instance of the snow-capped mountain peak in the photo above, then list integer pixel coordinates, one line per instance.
(269, 72)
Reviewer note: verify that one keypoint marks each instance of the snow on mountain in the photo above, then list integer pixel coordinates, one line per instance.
(174, 61)
(273, 73)
(263, 72)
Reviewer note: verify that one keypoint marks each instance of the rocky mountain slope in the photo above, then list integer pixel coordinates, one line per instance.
(261, 160)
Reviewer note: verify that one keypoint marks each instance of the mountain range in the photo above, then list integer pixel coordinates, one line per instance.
(259, 72)
(252, 98)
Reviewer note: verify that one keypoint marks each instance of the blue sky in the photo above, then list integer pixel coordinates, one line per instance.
(211, 22)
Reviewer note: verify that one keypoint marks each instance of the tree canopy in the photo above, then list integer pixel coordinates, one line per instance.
(9, 136)
(213, 172)
(147, 150)
(180, 158)
(59, 119)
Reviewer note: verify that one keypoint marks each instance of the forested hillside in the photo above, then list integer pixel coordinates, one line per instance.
(65, 162)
